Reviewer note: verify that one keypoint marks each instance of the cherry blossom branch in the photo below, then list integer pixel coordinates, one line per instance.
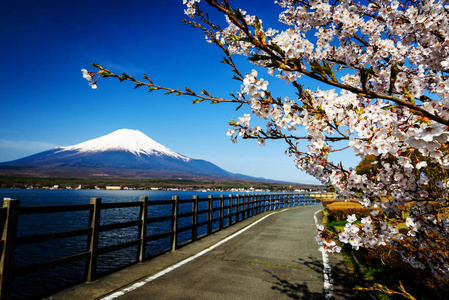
(204, 96)
(288, 65)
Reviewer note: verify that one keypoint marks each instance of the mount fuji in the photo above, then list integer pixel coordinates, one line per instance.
(124, 153)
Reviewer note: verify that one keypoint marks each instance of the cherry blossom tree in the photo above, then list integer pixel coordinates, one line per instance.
(383, 67)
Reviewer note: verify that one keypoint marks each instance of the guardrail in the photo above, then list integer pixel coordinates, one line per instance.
(204, 217)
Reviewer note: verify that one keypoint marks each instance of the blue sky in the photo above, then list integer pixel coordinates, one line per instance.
(46, 102)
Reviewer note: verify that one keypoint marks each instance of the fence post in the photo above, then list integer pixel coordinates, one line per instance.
(262, 203)
(195, 219)
(257, 204)
(143, 228)
(276, 201)
(221, 211)
(265, 200)
(174, 224)
(9, 240)
(230, 210)
(94, 236)
(275, 198)
(237, 208)
(248, 205)
(253, 208)
(209, 215)
(252, 204)
(244, 208)
(280, 197)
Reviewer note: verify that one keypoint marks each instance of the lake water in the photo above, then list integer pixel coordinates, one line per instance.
(43, 282)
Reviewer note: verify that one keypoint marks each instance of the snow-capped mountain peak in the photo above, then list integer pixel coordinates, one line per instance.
(127, 140)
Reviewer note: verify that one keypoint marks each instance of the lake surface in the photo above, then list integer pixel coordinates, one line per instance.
(65, 197)
(40, 283)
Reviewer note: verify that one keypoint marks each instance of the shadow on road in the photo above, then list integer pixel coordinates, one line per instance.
(300, 290)
(342, 280)
(293, 290)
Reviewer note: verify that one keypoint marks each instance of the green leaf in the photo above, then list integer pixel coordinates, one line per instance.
(257, 24)
(316, 68)
(97, 66)
(225, 60)
(147, 78)
(206, 93)
(239, 16)
(276, 48)
(105, 73)
(390, 107)
(364, 73)
(273, 63)
(393, 76)
(408, 95)
(235, 37)
(328, 70)
(257, 57)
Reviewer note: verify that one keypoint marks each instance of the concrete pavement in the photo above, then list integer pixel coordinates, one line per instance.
(276, 258)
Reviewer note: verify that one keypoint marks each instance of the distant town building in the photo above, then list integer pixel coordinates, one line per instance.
(113, 187)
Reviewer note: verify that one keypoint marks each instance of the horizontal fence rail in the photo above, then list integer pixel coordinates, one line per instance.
(180, 221)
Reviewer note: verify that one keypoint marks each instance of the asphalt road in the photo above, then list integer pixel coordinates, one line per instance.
(275, 258)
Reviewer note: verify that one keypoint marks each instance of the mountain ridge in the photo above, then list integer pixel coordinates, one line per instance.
(124, 153)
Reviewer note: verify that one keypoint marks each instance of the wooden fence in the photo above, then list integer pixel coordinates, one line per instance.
(229, 211)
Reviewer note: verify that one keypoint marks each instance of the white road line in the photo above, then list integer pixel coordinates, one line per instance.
(179, 264)
(326, 269)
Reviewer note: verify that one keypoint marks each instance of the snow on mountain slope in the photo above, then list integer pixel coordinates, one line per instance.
(128, 140)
